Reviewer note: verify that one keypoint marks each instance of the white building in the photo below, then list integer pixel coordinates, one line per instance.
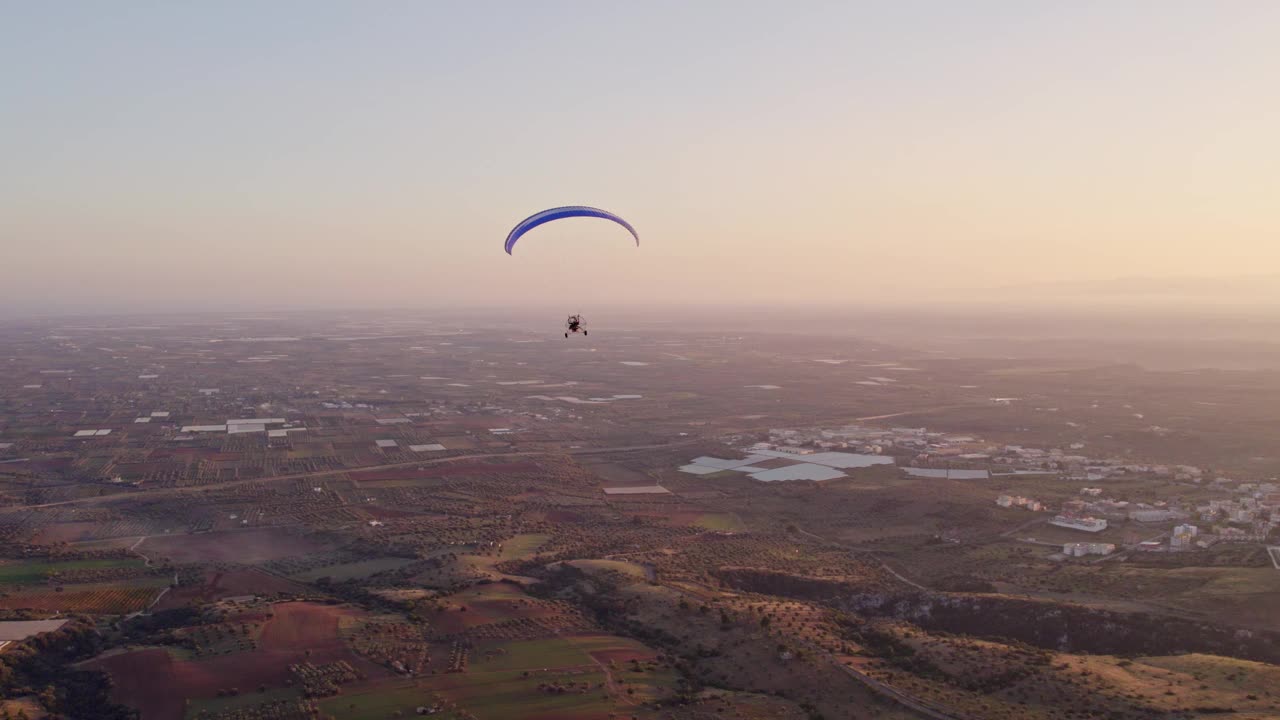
(1184, 537)
(1152, 515)
(1088, 524)
(1080, 549)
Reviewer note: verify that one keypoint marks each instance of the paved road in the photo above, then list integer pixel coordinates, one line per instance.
(162, 492)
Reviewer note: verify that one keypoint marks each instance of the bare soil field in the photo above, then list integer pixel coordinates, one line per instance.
(615, 474)
(156, 682)
(65, 532)
(241, 546)
(218, 585)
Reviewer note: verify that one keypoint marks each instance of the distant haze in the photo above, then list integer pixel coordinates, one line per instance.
(241, 155)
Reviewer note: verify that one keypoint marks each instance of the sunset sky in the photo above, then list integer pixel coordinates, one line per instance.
(230, 155)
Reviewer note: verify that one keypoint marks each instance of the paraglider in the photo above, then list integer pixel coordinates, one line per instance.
(575, 323)
(560, 213)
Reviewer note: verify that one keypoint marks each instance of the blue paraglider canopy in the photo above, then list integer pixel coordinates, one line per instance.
(569, 211)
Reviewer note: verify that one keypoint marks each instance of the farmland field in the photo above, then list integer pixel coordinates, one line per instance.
(243, 700)
(216, 584)
(108, 599)
(485, 604)
(727, 522)
(242, 546)
(523, 545)
(30, 572)
(155, 681)
(383, 701)
(534, 654)
(349, 571)
(612, 647)
(508, 694)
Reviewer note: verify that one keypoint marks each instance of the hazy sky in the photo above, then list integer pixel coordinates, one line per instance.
(176, 156)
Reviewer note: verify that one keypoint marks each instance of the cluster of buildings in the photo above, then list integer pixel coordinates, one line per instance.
(1251, 516)
(1074, 522)
(913, 443)
(1116, 510)
(237, 426)
(1184, 537)
(1019, 501)
(1156, 512)
(1080, 549)
(919, 446)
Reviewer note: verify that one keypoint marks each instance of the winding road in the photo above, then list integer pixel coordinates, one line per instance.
(147, 561)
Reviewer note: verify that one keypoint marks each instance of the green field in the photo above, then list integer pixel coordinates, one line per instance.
(646, 684)
(380, 703)
(37, 571)
(504, 695)
(725, 522)
(597, 643)
(523, 545)
(530, 655)
(243, 700)
(353, 570)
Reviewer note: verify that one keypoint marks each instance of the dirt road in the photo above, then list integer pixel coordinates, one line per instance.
(866, 553)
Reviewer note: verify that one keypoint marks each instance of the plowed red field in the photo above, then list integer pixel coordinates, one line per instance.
(218, 585)
(157, 683)
(241, 546)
